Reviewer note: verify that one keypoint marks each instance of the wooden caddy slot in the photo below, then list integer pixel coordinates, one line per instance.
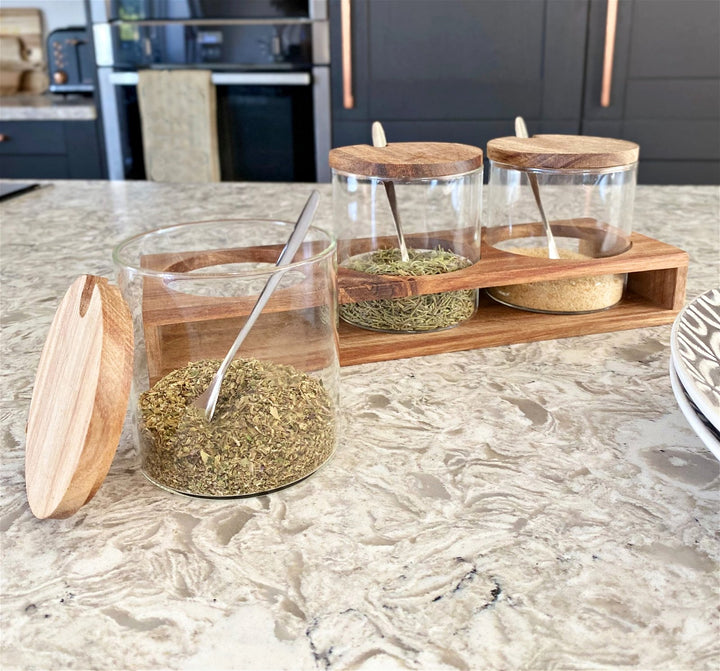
(181, 326)
(655, 293)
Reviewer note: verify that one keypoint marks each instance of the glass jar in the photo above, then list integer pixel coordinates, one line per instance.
(190, 288)
(435, 189)
(586, 186)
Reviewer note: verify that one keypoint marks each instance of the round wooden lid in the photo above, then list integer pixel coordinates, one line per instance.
(562, 151)
(407, 160)
(80, 398)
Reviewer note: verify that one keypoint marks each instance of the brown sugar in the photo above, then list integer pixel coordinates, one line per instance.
(579, 294)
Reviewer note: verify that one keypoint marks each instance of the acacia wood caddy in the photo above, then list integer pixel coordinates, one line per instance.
(654, 295)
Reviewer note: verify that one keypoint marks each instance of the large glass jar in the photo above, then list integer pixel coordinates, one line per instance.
(190, 289)
(433, 190)
(586, 189)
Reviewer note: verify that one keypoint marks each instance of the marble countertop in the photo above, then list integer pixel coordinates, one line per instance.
(47, 107)
(533, 506)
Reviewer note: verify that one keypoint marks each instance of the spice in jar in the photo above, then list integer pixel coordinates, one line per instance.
(427, 312)
(273, 425)
(580, 294)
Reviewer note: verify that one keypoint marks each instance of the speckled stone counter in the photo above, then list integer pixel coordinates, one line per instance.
(47, 107)
(534, 506)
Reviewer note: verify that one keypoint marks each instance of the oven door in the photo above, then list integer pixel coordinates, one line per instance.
(272, 126)
(124, 10)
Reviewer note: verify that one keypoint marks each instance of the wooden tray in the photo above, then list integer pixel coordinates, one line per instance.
(181, 326)
(177, 324)
(655, 293)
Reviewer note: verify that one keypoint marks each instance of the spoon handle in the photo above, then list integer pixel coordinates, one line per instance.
(552, 247)
(378, 138)
(286, 256)
(521, 131)
(208, 399)
(520, 127)
(392, 199)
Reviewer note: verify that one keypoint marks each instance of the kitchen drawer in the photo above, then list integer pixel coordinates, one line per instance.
(664, 139)
(32, 137)
(50, 150)
(38, 166)
(672, 99)
(679, 172)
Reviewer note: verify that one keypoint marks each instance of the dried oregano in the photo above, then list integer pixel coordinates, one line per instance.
(273, 425)
(428, 312)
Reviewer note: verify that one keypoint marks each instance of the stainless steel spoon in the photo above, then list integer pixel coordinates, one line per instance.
(521, 131)
(378, 138)
(208, 399)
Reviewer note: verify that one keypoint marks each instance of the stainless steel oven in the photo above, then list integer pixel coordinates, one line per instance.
(270, 64)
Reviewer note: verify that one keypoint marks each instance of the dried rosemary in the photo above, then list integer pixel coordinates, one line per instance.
(428, 312)
(273, 425)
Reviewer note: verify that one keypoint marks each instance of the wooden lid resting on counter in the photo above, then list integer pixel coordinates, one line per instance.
(557, 152)
(407, 160)
(80, 398)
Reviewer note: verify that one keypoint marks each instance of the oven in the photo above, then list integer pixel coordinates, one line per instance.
(270, 66)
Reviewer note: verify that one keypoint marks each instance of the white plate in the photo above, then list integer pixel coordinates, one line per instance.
(695, 347)
(698, 423)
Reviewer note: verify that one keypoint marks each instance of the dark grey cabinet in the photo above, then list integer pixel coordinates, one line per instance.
(461, 70)
(50, 150)
(665, 92)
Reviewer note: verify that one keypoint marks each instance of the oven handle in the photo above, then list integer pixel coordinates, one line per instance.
(608, 55)
(346, 42)
(232, 78)
(270, 21)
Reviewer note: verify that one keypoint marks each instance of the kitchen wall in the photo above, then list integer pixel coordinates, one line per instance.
(58, 13)
(453, 71)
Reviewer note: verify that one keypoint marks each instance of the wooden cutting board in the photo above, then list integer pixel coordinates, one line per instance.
(23, 67)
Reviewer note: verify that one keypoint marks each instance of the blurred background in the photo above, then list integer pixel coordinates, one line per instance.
(293, 78)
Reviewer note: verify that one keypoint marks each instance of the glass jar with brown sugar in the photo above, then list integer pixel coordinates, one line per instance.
(582, 188)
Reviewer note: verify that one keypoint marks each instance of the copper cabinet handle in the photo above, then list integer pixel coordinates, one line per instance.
(3, 137)
(346, 35)
(610, 26)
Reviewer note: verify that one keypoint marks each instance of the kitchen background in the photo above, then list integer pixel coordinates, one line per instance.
(294, 79)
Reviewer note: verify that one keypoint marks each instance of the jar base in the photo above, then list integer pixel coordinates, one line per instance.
(245, 495)
(551, 312)
(406, 331)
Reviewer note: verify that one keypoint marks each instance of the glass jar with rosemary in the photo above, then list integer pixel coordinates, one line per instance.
(407, 209)
(426, 312)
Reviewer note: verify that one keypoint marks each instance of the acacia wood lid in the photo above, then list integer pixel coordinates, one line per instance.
(80, 398)
(562, 151)
(407, 160)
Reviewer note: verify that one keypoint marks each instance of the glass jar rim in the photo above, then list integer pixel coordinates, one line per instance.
(124, 262)
(410, 180)
(625, 167)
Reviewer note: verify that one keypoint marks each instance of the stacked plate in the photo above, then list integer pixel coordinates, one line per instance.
(695, 366)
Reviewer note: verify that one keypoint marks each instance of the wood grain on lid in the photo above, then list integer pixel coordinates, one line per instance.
(80, 397)
(407, 160)
(562, 151)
